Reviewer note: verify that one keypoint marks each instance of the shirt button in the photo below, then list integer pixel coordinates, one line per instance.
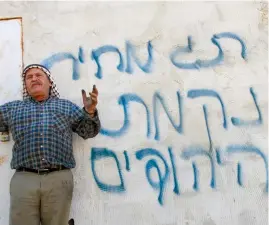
(43, 159)
(41, 146)
(41, 134)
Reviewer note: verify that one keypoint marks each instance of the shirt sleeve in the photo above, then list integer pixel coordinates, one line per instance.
(83, 124)
(4, 115)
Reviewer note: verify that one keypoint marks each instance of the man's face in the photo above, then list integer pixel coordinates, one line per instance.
(37, 82)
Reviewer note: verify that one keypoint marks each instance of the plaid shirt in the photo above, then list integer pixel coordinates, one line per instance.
(42, 132)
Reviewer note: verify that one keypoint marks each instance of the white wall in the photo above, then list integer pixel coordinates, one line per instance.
(225, 197)
(10, 89)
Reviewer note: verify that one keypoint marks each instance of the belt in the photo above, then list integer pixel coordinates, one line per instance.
(42, 171)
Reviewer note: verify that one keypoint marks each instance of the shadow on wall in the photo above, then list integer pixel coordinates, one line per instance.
(71, 222)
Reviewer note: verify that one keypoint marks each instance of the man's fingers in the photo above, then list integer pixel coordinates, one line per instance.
(94, 99)
(94, 89)
(93, 95)
(84, 96)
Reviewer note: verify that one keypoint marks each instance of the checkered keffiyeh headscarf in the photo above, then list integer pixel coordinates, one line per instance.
(53, 91)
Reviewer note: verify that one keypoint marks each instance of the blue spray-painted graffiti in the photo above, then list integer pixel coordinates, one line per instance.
(218, 156)
(153, 164)
(198, 64)
(187, 154)
(125, 99)
(235, 37)
(125, 64)
(195, 151)
(209, 93)
(239, 174)
(130, 52)
(207, 128)
(176, 185)
(178, 128)
(99, 153)
(248, 149)
(146, 67)
(102, 50)
(240, 122)
(59, 57)
(127, 161)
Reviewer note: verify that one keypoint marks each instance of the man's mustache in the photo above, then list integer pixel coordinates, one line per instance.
(35, 83)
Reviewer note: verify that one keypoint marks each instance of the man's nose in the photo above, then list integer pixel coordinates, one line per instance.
(34, 78)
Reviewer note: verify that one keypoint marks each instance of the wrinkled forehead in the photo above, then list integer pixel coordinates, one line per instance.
(37, 67)
(34, 71)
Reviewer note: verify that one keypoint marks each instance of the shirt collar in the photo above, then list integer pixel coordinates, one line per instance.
(37, 102)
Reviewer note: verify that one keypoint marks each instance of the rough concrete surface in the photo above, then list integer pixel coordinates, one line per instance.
(183, 106)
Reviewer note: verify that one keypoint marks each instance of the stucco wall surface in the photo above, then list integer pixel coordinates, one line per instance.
(183, 97)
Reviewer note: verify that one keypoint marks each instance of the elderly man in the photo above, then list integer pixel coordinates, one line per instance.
(42, 125)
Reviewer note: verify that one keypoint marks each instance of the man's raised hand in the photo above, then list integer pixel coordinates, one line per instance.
(90, 102)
